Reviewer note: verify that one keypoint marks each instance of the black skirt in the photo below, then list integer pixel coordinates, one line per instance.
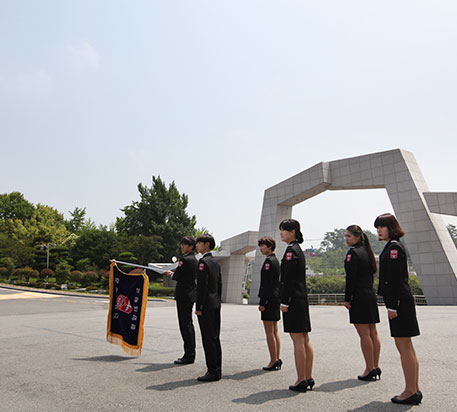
(296, 319)
(364, 310)
(271, 312)
(405, 324)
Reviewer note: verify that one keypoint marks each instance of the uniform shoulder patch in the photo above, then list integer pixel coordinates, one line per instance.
(180, 263)
(394, 254)
(201, 266)
(348, 258)
(267, 266)
(289, 256)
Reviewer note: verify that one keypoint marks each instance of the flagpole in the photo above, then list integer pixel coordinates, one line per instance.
(130, 264)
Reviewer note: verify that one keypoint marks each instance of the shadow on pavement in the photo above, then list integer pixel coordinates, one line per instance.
(266, 396)
(169, 386)
(153, 367)
(107, 358)
(340, 385)
(381, 407)
(244, 375)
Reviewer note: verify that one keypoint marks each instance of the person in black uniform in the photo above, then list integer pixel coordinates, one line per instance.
(185, 295)
(294, 303)
(269, 301)
(360, 298)
(394, 287)
(208, 307)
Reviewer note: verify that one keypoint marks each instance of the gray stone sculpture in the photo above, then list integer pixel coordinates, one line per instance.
(431, 248)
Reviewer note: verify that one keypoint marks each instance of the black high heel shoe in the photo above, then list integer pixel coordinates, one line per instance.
(310, 384)
(379, 371)
(299, 387)
(412, 400)
(370, 376)
(275, 367)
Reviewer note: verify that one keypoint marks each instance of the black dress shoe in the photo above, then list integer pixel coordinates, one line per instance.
(310, 383)
(412, 400)
(209, 377)
(184, 361)
(370, 376)
(275, 367)
(299, 387)
(378, 372)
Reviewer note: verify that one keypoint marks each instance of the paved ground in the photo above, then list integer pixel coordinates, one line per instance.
(54, 357)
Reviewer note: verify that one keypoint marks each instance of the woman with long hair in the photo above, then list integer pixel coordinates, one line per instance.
(294, 303)
(269, 301)
(394, 287)
(360, 298)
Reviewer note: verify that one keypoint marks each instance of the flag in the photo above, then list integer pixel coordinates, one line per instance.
(128, 297)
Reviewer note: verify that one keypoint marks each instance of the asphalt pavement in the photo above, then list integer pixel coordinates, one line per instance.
(54, 357)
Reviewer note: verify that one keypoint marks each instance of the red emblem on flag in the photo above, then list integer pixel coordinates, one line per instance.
(201, 266)
(267, 266)
(123, 304)
(394, 254)
(180, 263)
(348, 258)
(289, 256)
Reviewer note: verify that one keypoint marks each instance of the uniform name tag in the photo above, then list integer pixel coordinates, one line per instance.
(348, 258)
(289, 256)
(394, 254)
(201, 266)
(267, 266)
(180, 263)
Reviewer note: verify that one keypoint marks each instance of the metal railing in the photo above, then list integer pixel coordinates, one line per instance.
(338, 299)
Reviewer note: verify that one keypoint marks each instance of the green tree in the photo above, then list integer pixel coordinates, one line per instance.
(160, 212)
(14, 206)
(62, 271)
(98, 245)
(78, 218)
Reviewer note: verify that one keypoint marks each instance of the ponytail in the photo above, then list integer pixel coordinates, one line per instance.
(366, 243)
(357, 231)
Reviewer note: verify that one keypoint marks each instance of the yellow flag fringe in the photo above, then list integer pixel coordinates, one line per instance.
(132, 350)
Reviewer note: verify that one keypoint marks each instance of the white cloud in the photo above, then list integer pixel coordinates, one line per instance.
(83, 56)
(28, 83)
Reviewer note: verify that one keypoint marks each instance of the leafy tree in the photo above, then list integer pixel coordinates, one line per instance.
(62, 271)
(13, 206)
(78, 216)
(98, 245)
(160, 212)
(333, 240)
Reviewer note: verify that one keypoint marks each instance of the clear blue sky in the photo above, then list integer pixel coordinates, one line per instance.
(226, 98)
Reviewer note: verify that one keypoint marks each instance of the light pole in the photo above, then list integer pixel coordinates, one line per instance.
(47, 246)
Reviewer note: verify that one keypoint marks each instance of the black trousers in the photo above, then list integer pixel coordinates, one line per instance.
(210, 328)
(186, 327)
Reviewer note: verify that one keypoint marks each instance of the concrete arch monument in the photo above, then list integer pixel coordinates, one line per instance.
(431, 248)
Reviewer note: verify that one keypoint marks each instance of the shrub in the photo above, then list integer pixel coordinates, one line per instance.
(136, 271)
(62, 272)
(156, 289)
(91, 288)
(46, 273)
(76, 276)
(415, 285)
(8, 263)
(34, 274)
(88, 278)
(83, 265)
(3, 272)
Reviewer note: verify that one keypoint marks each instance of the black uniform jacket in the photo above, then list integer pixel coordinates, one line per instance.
(393, 274)
(269, 280)
(293, 274)
(186, 276)
(209, 283)
(359, 274)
